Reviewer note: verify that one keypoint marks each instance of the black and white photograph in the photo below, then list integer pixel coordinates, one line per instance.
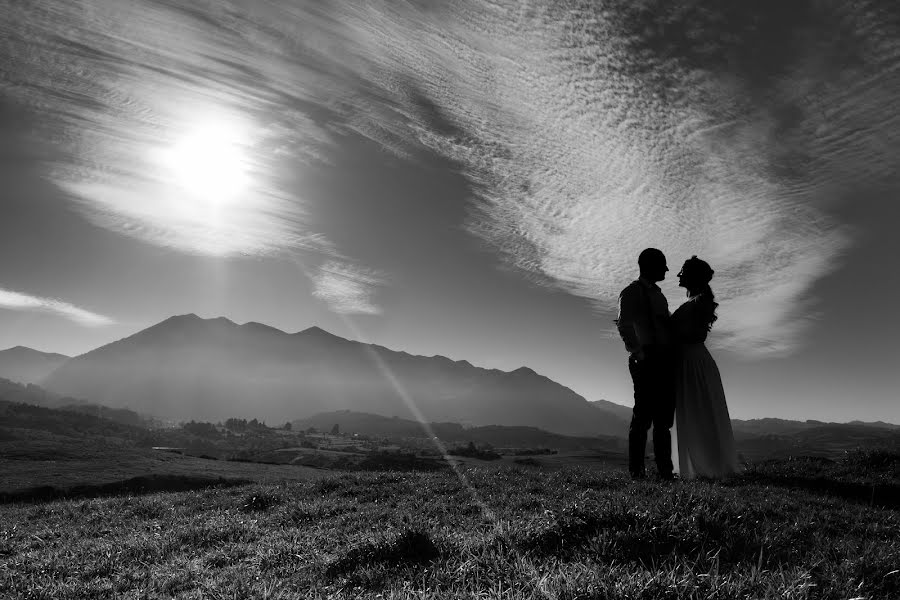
(494, 299)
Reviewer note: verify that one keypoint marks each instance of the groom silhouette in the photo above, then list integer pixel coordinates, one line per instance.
(643, 323)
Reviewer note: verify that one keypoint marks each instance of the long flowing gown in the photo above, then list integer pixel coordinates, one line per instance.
(703, 427)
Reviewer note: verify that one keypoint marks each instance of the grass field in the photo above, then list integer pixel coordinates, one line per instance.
(65, 472)
(482, 532)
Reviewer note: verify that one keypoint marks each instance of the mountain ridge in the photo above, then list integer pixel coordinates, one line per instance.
(294, 350)
(27, 365)
(194, 368)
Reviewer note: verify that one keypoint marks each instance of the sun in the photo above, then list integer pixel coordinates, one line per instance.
(209, 164)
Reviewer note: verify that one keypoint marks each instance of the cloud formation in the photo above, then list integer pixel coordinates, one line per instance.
(18, 301)
(593, 130)
(346, 288)
(588, 130)
(121, 87)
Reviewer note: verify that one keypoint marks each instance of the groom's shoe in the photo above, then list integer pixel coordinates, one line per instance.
(667, 477)
(638, 475)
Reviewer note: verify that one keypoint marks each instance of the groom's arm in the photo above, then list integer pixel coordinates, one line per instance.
(629, 301)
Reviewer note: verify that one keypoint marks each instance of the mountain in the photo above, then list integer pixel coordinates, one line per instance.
(623, 412)
(26, 365)
(187, 368)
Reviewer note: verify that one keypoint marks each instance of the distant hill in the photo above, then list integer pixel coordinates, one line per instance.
(831, 440)
(16, 416)
(187, 368)
(619, 410)
(35, 395)
(786, 427)
(377, 425)
(117, 415)
(30, 393)
(504, 436)
(367, 424)
(25, 365)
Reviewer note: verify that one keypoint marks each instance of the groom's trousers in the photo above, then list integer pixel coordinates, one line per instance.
(654, 405)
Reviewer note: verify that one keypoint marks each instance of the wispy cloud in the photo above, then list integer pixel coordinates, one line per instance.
(588, 130)
(591, 131)
(19, 301)
(347, 288)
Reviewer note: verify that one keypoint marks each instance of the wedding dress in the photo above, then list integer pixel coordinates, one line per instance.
(705, 439)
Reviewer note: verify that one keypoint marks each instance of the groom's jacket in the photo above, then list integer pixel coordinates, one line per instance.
(643, 318)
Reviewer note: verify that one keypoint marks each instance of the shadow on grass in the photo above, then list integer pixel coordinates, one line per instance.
(627, 538)
(881, 495)
(410, 548)
(146, 484)
(863, 476)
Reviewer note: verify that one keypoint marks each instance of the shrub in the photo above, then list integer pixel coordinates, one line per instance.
(472, 451)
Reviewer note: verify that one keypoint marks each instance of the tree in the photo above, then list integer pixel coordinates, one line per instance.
(236, 424)
(287, 426)
(201, 428)
(336, 430)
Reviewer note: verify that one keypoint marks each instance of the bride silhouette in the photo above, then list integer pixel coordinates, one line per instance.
(703, 426)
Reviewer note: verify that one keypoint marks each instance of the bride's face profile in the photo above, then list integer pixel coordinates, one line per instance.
(687, 279)
(682, 278)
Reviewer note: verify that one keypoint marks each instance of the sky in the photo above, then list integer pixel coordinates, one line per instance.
(472, 179)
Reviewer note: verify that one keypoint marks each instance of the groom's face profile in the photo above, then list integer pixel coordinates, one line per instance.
(658, 270)
(653, 265)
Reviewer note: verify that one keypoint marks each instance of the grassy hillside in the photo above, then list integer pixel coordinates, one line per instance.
(481, 532)
(47, 453)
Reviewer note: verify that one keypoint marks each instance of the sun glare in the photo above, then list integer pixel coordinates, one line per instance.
(209, 164)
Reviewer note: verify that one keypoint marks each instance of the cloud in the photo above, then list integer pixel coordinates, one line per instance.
(346, 288)
(588, 130)
(19, 301)
(177, 125)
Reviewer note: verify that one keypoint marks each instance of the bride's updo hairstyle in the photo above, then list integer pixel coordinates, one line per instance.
(698, 274)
